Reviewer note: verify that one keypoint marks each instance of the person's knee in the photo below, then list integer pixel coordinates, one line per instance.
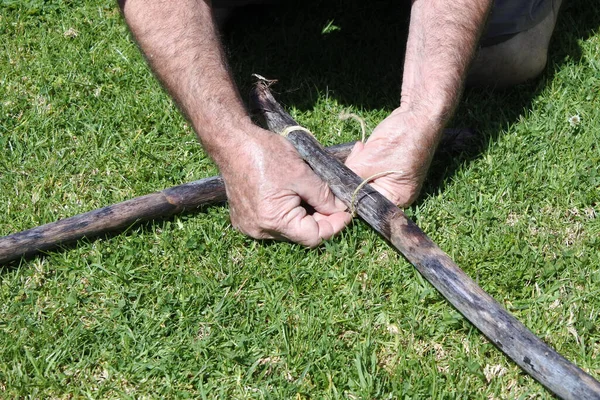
(509, 63)
(516, 60)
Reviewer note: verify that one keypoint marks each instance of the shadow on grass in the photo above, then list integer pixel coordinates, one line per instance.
(353, 51)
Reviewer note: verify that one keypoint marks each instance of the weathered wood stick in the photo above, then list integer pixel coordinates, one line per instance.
(512, 337)
(161, 204)
(110, 218)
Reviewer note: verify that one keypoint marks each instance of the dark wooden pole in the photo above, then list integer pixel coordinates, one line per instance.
(110, 218)
(512, 337)
(161, 204)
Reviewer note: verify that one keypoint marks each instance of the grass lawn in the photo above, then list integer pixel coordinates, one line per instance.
(188, 307)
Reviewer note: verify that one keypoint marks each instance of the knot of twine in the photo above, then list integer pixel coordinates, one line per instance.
(345, 116)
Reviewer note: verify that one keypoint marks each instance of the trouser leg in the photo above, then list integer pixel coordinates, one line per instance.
(222, 9)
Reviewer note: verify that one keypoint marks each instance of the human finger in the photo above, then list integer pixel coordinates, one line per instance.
(311, 230)
(317, 194)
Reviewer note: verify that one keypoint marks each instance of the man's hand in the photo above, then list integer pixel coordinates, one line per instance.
(441, 42)
(398, 145)
(267, 186)
(266, 181)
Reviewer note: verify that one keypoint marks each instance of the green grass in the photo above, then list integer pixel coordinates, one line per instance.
(188, 307)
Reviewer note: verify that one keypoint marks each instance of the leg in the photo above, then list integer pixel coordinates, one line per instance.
(521, 57)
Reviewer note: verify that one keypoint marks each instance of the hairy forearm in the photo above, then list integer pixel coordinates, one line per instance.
(181, 44)
(442, 40)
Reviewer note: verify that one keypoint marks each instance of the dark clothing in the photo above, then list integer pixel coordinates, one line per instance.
(509, 17)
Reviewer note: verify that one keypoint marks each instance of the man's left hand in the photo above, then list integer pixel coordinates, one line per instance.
(402, 144)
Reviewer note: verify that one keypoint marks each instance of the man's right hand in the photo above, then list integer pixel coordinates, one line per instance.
(268, 185)
(266, 181)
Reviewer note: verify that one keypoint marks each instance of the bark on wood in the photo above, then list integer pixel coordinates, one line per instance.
(512, 337)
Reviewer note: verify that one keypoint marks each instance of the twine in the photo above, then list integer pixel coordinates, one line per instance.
(345, 116)
(363, 126)
(353, 200)
(293, 128)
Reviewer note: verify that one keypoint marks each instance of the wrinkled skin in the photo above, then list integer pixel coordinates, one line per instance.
(267, 184)
(395, 145)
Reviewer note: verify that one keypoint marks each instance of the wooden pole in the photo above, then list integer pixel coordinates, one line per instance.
(512, 337)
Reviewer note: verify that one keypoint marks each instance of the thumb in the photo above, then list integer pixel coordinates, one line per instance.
(317, 194)
(358, 161)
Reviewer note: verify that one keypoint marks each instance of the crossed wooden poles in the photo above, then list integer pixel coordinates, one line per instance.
(535, 357)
